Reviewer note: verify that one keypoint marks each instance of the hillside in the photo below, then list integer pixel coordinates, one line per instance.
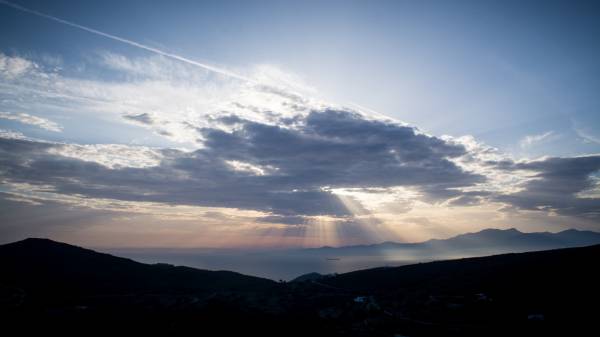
(45, 266)
(46, 286)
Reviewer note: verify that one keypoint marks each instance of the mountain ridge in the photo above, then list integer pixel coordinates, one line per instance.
(485, 242)
(485, 230)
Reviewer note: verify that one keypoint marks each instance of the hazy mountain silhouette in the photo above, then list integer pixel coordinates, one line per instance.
(485, 242)
(46, 286)
(309, 277)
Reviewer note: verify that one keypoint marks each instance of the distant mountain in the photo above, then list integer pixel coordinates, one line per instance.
(485, 242)
(49, 267)
(309, 277)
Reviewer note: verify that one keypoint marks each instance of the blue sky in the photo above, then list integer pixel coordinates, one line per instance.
(499, 71)
(508, 81)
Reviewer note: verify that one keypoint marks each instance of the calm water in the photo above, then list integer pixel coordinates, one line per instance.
(276, 265)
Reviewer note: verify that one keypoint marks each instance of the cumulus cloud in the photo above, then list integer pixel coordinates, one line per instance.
(31, 120)
(343, 149)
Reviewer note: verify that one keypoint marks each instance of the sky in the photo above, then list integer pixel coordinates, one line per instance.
(296, 124)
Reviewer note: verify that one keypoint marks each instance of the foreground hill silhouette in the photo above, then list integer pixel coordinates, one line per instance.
(47, 286)
(76, 270)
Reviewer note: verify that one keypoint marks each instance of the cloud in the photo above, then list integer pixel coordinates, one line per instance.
(129, 42)
(143, 118)
(556, 186)
(586, 136)
(9, 134)
(285, 171)
(288, 158)
(13, 67)
(339, 148)
(110, 155)
(531, 140)
(287, 220)
(169, 98)
(469, 198)
(31, 120)
(553, 185)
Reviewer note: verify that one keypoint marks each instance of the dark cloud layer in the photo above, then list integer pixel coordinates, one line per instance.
(293, 169)
(325, 149)
(143, 118)
(342, 149)
(556, 185)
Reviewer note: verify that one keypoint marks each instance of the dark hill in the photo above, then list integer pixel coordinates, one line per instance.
(51, 287)
(508, 291)
(569, 267)
(309, 277)
(48, 267)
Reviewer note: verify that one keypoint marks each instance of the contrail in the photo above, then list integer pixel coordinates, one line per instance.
(130, 42)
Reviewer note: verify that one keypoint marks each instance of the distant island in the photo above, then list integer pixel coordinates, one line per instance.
(485, 242)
